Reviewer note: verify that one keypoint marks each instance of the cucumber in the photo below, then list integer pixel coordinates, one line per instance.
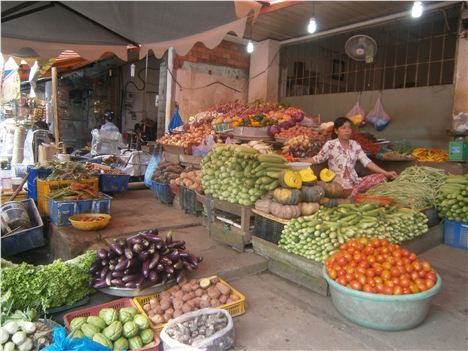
(272, 159)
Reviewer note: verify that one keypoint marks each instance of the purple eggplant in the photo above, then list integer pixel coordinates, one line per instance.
(134, 240)
(153, 276)
(137, 248)
(102, 254)
(144, 284)
(121, 265)
(164, 279)
(104, 272)
(99, 284)
(187, 266)
(145, 243)
(168, 238)
(130, 277)
(121, 242)
(154, 261)
(176, 244)
(180, 277)
(131, 284)
(159, 246)
(174, 255)
(143, 256)
(152, 248)
(128, 253)
(95, 267)
(145, 269)
(131, 263)
(108, 278)
(178, 265)
(159, 267)
(116, 274)
(169, 270)
(151, 237)
(117, 249)
(184, 254)
(104, 263)
(169, 275)
(199, 259)
(166, 261)
(117, 282)
(111, 267)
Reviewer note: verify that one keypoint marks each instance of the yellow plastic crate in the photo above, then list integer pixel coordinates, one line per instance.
(235, 309)
(45, 187)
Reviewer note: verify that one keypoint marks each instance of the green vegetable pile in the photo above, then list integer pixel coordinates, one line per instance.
(416, 187)
(452, 202)
(68, 170)
(320, 235)
(118, 330)
(239, 174)
(43, 287)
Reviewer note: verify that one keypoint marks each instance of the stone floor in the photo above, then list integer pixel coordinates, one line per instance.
(281, 315)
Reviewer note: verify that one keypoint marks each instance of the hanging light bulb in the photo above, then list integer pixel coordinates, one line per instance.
(417, 9)
(250, 47)
(312, 26)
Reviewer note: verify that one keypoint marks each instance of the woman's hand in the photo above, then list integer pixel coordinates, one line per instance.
(391, 174)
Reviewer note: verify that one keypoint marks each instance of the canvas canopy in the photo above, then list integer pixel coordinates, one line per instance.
(92, 28)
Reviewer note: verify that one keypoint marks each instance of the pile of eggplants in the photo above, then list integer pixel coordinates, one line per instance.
(141, 261)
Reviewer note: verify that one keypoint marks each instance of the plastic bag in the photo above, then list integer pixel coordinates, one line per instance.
(176, 121)
(62, 343)
(220, 341)
(356, 114)
(204, 147)
(368, 182)
(152, 165)
(378, 117)
(460, 122)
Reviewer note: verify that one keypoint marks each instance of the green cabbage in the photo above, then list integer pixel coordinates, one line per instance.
(141, 321)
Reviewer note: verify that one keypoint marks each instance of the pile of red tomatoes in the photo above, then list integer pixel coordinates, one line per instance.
(376, 266)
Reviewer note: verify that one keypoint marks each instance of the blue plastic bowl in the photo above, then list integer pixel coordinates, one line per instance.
(383, 312)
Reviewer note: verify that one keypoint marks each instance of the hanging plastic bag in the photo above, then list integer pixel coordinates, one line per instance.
(204, 147)
(152, 165)
(176, 121)
(459, 122)
(62, 343)
(378, 117)
(357, 114)
(230, 141)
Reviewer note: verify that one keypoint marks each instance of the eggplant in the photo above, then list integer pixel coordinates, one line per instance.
(176, 244)
(95, 267)
(112, 262)
(187, 266)
(159, 267)
(143, 256)
(144, 284)
(151, 237)
(116, 274)
(130, 271)
(184, 254)
(152, 248)
(131, 284)
(108, 278)
(111, 267)
(154, 260)
(164, 279)
(159, 246)
(130, 277)
(145, 269)
(166, 261)
(121, 265)
(199, 259)
(169, 275)
(137, 248)
(145, 243)
(178, 265)
(104, 272)
(117, 249)
(128, 253)
(102, 254)
(131, 263)
(134, 240)
(169, 270)
(168, 238)
(121, 242)
(174, 255)
(180, 277)
(153, 276)
(104, 263)
(99, 284)
(117, 282)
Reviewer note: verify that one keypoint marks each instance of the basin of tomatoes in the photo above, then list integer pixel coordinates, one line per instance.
(89, 219)
(379, 267)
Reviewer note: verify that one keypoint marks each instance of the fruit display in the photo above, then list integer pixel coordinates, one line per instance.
(317, 236)
(94, 168)
(141, 261)
(452, 199)
(379, 267)
(75, 191)
(193, 134)
(429, 155)
(167, 171)
(298, 130)
(123, 329)
(188, 297)
(239, 174)
(303, 146)
(189, 179)
(416, 187)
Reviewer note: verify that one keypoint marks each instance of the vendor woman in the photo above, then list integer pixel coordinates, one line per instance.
(342, 153)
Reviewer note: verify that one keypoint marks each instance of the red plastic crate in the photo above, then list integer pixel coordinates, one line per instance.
(94, 311)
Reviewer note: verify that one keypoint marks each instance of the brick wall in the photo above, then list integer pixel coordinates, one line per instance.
(225, 54)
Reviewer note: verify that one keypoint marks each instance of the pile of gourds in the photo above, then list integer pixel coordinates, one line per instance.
(452, 199)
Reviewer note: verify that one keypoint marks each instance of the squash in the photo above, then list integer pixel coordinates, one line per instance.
(309, 208)
(307, 176)
(285, 211)
(327, 202)
(312, 193)
(287, 196)
(263, 205)
(290, 179)
(326, 175)
(333, 190)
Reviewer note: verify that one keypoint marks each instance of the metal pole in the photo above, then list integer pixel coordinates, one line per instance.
(55, 105)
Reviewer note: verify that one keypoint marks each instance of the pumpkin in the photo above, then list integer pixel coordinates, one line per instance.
(326, 175)
(307, 176)
(309, 208)
(290, 179)
(327, 202)
(333, 189)
(263, 205)
(285, 211)
(312, 193)
(287, 196)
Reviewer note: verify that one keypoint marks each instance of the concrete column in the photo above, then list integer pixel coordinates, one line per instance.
(460, 96)
(265, 58)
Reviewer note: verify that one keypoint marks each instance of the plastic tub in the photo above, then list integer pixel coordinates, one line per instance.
(113, 183)
(162, 192)
(383, 312)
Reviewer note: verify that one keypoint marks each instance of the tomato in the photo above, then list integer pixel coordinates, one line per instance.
(357, 257)
(363, 264)
(380, 288)
(384, 251)
(400, 263)
(336, 267)
(353, 264)
(404, 253)
(422, 286)
(344, 247)
(370, 272)
(342, 280)
(361, 278)
(364, 241)
(350, 277)
(404, 283)
(384, 243)
(414, 275)
(432, 276)
(341, 272)
(375, 242)
(417, 265)
(391, 260)
(386, 275)
(341, 261)
(388, 290)
(378, 280)
(409, 268)
(429, 283)
(351, 250)
(371, 259)
(380, 259)
(395, 280)
(368, 250)
(378, 270)
(386, 266)
(422, 274)
(397, 290)
(389, 283)
(406, 291)
(356, 285)
(414, 288)
(426, 266)
(368, 288)
(347, 255)
(395, 272)
(350, 269)
(332, 274)
(412, 256)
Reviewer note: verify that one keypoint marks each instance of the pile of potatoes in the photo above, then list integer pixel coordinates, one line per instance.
(188, 297)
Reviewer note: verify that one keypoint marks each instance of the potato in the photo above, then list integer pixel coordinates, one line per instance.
(153, 302)
(165, 304)
(179, 294)
(193, 281)
(177, 313)
(187, 308)
(188, 296)
(214, 280)
(223, 288)
(164, 295)
(187, 287)
(170, 311)
(223, 299)
(214, 302)
(151, 313)
(195, 286)
(147, 307)
(234, 297)
(157, 319)
(205, 297)
(167, 317)
(229, 301)
(213, 292)
(198, 292)
(158, 310)
(177, 303)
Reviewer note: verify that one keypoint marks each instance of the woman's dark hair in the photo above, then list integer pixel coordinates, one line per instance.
(337, 123)
(109, 115)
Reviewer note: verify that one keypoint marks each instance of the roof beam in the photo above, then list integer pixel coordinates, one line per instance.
(24, 13)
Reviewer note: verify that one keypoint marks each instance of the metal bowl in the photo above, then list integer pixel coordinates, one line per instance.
(128, 292)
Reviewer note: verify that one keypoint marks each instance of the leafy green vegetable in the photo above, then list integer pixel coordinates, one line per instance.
(43, 287)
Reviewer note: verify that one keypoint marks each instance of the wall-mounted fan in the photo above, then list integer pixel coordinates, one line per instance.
(361, 48)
